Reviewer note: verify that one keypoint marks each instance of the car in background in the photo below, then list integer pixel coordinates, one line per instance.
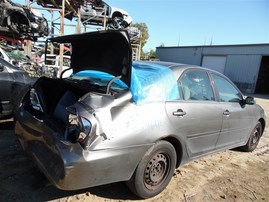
(5, 56)
(14, 83)
(116, 120)
(52, 63)
(26, 22)
(116, 17)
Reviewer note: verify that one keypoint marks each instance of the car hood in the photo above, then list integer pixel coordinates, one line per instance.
(106, 51)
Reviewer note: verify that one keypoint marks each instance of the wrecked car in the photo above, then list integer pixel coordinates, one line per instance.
(14, 83)
(26, 22)
(116, 120)
(116, 17)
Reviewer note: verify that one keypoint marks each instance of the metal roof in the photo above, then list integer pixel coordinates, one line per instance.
(208, 46)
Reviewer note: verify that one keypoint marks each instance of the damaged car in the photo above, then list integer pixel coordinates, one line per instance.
(26, 22)
(116, 120)
(116, 18)
(14, 84)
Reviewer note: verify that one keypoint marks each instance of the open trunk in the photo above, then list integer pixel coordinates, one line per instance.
(53, 101)
(53, 96)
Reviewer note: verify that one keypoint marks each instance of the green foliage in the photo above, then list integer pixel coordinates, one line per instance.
(162, 45)
(152, 53)
(144, 30)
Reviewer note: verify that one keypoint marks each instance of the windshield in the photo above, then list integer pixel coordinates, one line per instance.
(99, 78)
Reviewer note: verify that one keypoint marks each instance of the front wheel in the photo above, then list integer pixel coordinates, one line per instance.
(117, 23)
(154, 171)
(253, 139)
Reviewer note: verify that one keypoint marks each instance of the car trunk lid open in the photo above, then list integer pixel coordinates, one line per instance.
(107, 51)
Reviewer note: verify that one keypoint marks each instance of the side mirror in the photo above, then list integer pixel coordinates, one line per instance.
(249, 100)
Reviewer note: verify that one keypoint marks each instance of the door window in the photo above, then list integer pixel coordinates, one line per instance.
(196, 86)
(227, 92)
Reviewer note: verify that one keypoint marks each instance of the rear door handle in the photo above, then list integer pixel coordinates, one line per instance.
(179, 112)
(226, 112)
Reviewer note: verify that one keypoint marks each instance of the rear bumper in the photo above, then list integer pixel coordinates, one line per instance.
(67, 165)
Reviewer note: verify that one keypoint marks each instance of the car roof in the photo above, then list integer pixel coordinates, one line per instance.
(178, 68)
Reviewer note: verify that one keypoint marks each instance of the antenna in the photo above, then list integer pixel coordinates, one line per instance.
(178, 39)
(211, 42)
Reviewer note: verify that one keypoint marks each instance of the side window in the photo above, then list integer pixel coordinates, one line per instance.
(227, 92)
(196, 86)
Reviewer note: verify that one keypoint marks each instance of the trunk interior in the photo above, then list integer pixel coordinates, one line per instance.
(57, 94)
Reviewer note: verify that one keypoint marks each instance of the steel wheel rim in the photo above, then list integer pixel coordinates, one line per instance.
(255, 136)
(156, 171)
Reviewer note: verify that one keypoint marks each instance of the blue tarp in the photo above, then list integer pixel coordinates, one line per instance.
(153, 83)
(149, 82)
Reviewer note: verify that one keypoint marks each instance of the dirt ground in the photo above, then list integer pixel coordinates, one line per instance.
(226, 176)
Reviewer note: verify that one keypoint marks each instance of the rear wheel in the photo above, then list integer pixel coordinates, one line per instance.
(253, 139)
(154, 171)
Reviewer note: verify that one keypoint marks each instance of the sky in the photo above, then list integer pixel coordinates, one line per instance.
(199, 22)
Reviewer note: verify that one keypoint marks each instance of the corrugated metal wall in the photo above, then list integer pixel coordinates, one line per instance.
(242, 64)
(243, 70)
(190, 56)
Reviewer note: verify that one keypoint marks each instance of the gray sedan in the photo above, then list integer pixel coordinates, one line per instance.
(117, 120)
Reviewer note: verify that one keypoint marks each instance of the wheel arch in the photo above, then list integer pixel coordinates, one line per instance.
(177, 146)
(262, 121)
(117, 14)
(22, 17)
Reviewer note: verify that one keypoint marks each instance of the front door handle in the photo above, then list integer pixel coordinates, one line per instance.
(226, 112)
(179, 112)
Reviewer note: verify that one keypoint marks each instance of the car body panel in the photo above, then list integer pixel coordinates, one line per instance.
(239, 122)
(5, 95)
(87, 134)
(203, 137)
(110, 51)
(69, 170)
(14, 83)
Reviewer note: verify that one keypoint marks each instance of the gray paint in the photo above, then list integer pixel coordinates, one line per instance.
(122, 131)
(242, 64)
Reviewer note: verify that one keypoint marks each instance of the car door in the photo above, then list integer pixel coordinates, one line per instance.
(197, 117)
(236, 116)
(6, 81)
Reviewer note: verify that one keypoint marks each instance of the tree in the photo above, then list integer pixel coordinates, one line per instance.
(162, 45)
(152, 53)
(144, 31)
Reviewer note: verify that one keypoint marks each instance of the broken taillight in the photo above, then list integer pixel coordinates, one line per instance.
(34, 100)
(78, 127)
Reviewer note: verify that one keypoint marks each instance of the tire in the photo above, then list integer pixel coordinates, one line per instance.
(117, 23)
(254, 139)
(154, 171)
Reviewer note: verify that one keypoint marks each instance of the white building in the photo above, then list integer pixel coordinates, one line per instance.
(246, 65)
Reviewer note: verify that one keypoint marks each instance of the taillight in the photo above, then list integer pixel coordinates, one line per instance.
(34, 100)
(78, 127)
